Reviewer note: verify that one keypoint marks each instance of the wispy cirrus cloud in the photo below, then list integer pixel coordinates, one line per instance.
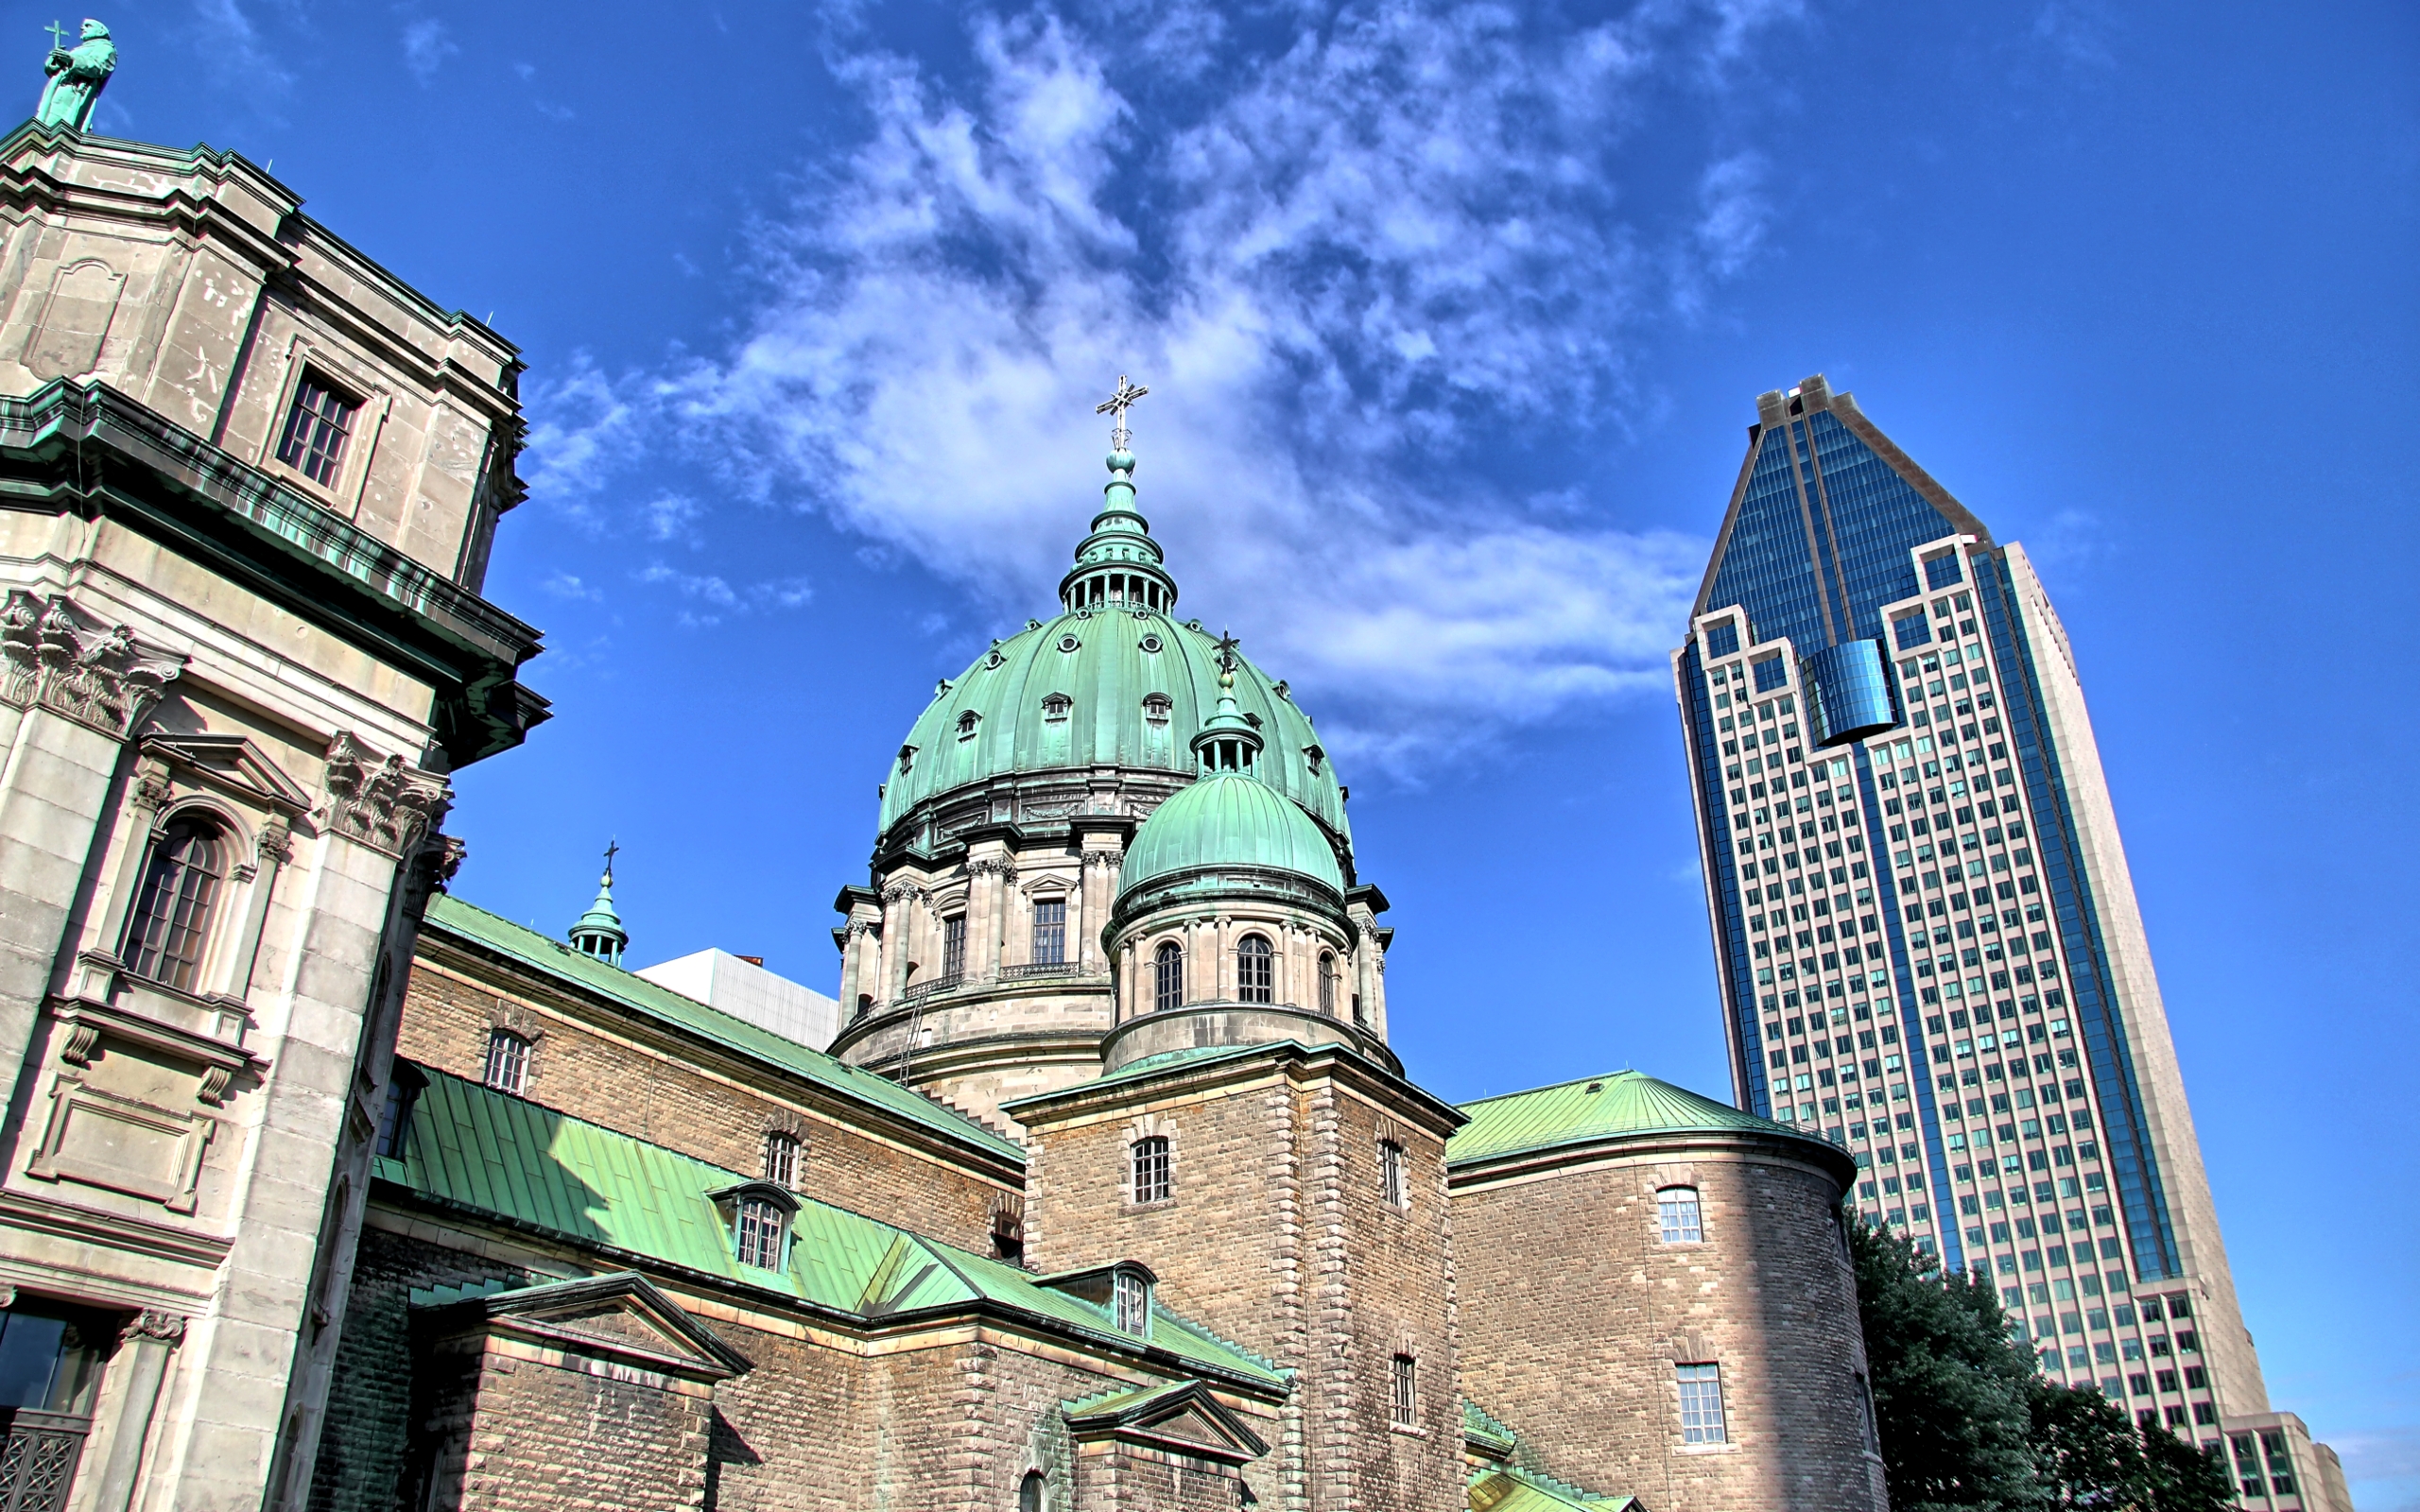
(427, 45)
(1347, 257)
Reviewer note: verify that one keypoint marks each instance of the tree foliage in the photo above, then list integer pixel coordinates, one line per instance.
(1968, 1425)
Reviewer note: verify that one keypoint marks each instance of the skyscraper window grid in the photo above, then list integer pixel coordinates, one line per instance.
(1976, 983)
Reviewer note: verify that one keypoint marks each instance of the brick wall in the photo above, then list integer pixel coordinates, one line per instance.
(618, 1076)
(542, 1437)
(1575, 1313)
(1275, 1237)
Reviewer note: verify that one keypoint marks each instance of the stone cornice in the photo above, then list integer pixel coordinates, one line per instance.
(91, 451)
(1299, 1063)
(1670, 1143)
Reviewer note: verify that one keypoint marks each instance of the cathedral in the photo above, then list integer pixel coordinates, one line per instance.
(325, 1188)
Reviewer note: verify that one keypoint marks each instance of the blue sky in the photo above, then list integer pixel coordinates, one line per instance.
(1454, 317)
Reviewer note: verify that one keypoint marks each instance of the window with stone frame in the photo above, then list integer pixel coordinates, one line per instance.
(757, 1227)
(1050, 931)
(1394, 1189)
(1327, 983)
(781, 1150)
(507, 1063)
(1700, 1388)
(1403, 1397)
(1167, 977)
(1256, 969)
(1148, 1162)
(953, 947)
(1031, 1495)
(318, 428)
(170, 928)
(1679, 1216)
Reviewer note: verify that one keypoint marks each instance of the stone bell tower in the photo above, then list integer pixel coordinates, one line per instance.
(248, 483)
(1255, 1143)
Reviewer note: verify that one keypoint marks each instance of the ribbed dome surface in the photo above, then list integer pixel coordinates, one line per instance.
(1228, 821)
(1108, 680)
(1626, 1102)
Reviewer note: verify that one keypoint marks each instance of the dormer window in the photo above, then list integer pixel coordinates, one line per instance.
(906, 758)
(966, 723)
(1317, 757)
(1157, 707)
(1133, 1297)
(1056, 706)
(757, 1214)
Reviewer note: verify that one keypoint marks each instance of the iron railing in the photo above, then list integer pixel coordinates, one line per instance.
(38, 1458)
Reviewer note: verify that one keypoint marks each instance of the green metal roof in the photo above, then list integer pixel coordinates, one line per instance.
(1480, 1425)
(1504, 1488)
(1594, 1107)
(554, 958)
(483, 1151)
(1231, 820)
(1096, 660)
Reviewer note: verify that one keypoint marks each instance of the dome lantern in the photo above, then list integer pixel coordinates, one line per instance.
(1227, 741)
(1118, 563)
(599, 931)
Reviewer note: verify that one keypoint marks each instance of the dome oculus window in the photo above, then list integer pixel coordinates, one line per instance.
(1256, 969)
(180, 893)
(1150, 644)
(1069, 643)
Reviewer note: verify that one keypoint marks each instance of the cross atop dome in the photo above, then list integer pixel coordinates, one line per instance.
(1116, 405)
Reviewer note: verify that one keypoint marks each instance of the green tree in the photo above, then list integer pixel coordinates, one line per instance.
(1968, 1424)
(1952, 1392)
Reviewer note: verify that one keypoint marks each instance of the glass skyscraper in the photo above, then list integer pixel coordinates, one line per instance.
(1927, 939)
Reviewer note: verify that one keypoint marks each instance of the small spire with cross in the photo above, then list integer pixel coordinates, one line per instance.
(613, 848)
(1115, 405)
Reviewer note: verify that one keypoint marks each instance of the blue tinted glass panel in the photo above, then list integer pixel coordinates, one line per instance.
(1912, 629)
(1722, 640)
(1771, 674)
(1848, 688)
(1941, 572)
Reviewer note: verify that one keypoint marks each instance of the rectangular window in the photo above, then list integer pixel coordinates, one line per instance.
(1677, 1209)
(1722, 638)
(1772, 672)
(1133, 1298)
(508, 1067)
(1701, 1403)
(315, 431)
(1050, 932)
(1392, 1189)
(1403, 1403)
(954, 948)
(1941, 571)
(760, 1234)
(1912, 629)
(1151, 1175)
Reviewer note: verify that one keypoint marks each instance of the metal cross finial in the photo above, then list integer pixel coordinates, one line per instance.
(613, 848)
(57, 31)
(1116, 405)
(1227, 644)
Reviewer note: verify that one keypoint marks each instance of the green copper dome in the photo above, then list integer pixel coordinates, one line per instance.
(1113, 680)
(1229, 820)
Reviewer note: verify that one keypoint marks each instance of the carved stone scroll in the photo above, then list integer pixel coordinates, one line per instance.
(55, 656)
(381, 800)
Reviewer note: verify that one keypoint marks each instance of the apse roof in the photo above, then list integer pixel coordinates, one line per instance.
(468, 1146)
(1594, 1107)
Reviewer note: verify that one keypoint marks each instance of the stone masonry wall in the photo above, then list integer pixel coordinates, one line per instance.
(1575, 1313)
(1275, 1237)
(544, 1437)
(619, 1081)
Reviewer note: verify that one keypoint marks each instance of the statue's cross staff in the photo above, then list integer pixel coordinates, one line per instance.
(1116, 405)
(57, 31)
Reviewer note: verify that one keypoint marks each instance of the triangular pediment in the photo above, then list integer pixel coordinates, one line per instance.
(233, 762)
(1183, 1414)
(620, 1314)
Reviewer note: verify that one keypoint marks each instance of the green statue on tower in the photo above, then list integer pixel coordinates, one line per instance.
(76, 75)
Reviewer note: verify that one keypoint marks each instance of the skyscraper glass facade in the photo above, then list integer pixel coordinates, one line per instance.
(1914, 882)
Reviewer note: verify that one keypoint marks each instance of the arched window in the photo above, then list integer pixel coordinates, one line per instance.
(1132, 1295)
(1256, 969)
(1392, 1189)
(1327, 983)
(1151, 1164)
(966, 723)
(1403, 1399)
(758, 1231)
(172, 913)
(1677, 1206)
(781, 1159)
(1167, 977)
(1029, 1493)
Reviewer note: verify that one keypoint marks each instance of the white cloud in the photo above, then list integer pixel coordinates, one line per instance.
(715, 598)
(426, 47)
(231, 47)
(1377, 245)
(568, 585)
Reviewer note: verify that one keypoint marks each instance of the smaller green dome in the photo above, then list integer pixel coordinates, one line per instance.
(1229, 820)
